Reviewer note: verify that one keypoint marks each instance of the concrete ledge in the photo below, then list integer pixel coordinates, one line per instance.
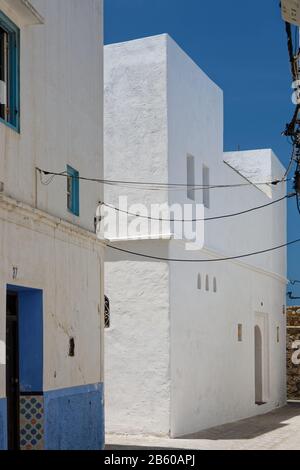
(19, 213)
(25, 10)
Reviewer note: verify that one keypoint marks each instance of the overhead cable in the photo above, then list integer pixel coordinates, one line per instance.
(225, 216)
(159, 186)
(213, 260)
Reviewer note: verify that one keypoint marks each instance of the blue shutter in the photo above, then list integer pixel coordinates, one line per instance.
(14, 71)
(75, 190)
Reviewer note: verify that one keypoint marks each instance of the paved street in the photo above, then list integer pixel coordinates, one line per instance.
(278, 430)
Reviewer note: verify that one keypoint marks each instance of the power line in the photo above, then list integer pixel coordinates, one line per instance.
(225, 216)
(229, 258)
(293, 158)
(158, 186)
(293, 128)
(291, 296)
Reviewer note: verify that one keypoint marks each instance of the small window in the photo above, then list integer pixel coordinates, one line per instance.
(215, 285)
(199, 285)
(206, 183)
(240, 332)
(9, 71)
(106, 312)
(71, 347)
(278, 334)
(191, 177)
(73, 190)
(207, 283)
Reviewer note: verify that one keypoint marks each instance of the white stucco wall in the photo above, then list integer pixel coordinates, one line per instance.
(66, 264)
(61, 68)
(135, 113)
(61, 107)
(211, 373)
(195, 117)
(137, 345)
(212, 380)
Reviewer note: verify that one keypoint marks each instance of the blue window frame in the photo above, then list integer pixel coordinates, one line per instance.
(9, 72)
(73, 190)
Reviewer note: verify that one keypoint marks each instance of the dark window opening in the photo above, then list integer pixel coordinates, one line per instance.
(9, 72)
(106, 312)
(72, 347)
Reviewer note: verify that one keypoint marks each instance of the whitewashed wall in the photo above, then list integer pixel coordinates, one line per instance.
(195, 111)
(61, 107)
(135, 110)
(211, 374)
(61, 123)
(137, 345)
(66, 264)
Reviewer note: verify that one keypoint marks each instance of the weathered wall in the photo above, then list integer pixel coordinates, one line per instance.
(3, 424)
(67, 267)
(79, 412)
(61, 107)
(61, 115)
(66, 264)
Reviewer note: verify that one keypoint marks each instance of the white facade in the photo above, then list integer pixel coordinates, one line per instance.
(174, 363)
(43, 246)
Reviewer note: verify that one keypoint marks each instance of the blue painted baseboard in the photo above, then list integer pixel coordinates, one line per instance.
(3, 424)
(74, 418)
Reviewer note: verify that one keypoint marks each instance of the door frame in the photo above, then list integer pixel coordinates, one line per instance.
(13, 419)
(261, 320)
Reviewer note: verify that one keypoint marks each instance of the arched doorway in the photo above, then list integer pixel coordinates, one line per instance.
(258, 366)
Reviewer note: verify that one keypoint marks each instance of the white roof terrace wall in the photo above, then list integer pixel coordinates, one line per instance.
(195, 127)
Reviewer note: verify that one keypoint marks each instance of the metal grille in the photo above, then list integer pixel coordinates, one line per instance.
(106, 312)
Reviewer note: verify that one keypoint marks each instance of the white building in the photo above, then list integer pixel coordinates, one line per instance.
(51, 293)
(190, 345)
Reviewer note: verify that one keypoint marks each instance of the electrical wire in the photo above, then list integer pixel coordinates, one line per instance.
(296, 37)
(293, 58)
(159, 186)
(204, 219)
(294, 63)
(49, 180)
(291, 296)
(228, 258)
(292, 160)
(290, 128)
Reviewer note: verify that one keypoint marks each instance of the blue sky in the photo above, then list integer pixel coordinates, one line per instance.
(242, 46)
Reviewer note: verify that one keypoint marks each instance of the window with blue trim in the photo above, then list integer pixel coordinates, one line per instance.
(9, 72)
(73, 190)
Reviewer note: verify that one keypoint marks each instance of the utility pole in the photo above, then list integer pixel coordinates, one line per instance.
(291, 15)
